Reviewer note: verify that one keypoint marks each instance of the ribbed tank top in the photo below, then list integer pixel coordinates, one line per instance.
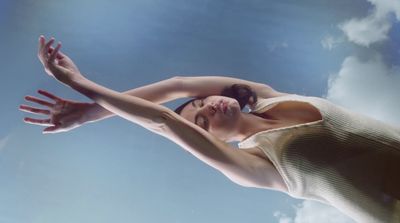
(341, 160)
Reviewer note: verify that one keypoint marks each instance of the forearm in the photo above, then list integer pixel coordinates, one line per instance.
(158, 92)
(132, 108)
(202, 86)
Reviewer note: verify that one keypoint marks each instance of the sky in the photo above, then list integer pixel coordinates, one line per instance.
(115, 170)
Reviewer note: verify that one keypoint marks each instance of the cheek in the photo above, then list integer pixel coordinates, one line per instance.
(224, 123)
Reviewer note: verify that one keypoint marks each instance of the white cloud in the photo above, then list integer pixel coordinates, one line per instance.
(329, 42)
(375, 26)
(314, 212)
(384, 7)
(366, 30)
(370, 87)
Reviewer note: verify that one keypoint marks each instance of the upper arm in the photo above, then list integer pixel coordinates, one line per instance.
(239, 166)
(201, 86)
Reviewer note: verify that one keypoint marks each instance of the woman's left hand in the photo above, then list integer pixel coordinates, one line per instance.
(57, 64)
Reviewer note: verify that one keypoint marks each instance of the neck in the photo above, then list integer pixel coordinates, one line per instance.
(250, 124)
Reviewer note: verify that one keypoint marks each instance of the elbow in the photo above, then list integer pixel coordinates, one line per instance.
(179, 84)
(177, 77)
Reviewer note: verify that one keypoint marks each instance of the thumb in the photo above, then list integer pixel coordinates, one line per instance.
(50, 129)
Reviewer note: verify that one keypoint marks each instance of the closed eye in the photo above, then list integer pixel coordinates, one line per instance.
(204, 122)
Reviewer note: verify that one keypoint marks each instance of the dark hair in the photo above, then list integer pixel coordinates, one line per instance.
(241, 92)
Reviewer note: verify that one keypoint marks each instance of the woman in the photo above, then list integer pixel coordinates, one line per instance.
(304, 146)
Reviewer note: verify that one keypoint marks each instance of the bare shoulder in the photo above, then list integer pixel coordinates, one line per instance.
(268, 92)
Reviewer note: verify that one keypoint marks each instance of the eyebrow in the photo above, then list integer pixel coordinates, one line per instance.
(196, 116)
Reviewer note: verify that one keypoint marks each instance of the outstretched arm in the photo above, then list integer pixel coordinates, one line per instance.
(237, 165)
(202, 86)
(158, 92)
(135, 109)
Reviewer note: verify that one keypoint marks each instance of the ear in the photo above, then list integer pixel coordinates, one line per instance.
(251, 103)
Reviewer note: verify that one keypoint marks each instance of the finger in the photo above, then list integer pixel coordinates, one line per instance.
(42, 40)
(59, 54)
(53, 129)
(42, 122)
(33, 110)
(46, 48)
(54, 53)
(50, 129)
(39, 101)
(47, 94)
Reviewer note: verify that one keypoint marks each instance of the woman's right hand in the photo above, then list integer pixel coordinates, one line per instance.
(64, 115)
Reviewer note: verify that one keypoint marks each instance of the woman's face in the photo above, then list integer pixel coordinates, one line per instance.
(218, 115)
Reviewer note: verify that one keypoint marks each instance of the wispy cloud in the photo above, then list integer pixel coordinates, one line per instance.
(275, 46)
(3, 142)
(314, 212)
(375, 26)
(329, 42)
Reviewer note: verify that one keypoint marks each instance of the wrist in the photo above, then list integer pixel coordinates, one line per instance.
(87, 113)
(94, 112)
(75, 80)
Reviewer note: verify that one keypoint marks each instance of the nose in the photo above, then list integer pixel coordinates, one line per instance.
(210, 108)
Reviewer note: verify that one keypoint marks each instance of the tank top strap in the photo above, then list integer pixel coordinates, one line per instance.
(264, 104)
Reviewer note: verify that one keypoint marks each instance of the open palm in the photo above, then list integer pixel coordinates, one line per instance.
(64, 115)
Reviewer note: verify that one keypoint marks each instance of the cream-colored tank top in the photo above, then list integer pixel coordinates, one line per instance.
(342, 160)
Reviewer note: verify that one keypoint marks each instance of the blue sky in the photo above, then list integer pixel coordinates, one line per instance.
(114, 170)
